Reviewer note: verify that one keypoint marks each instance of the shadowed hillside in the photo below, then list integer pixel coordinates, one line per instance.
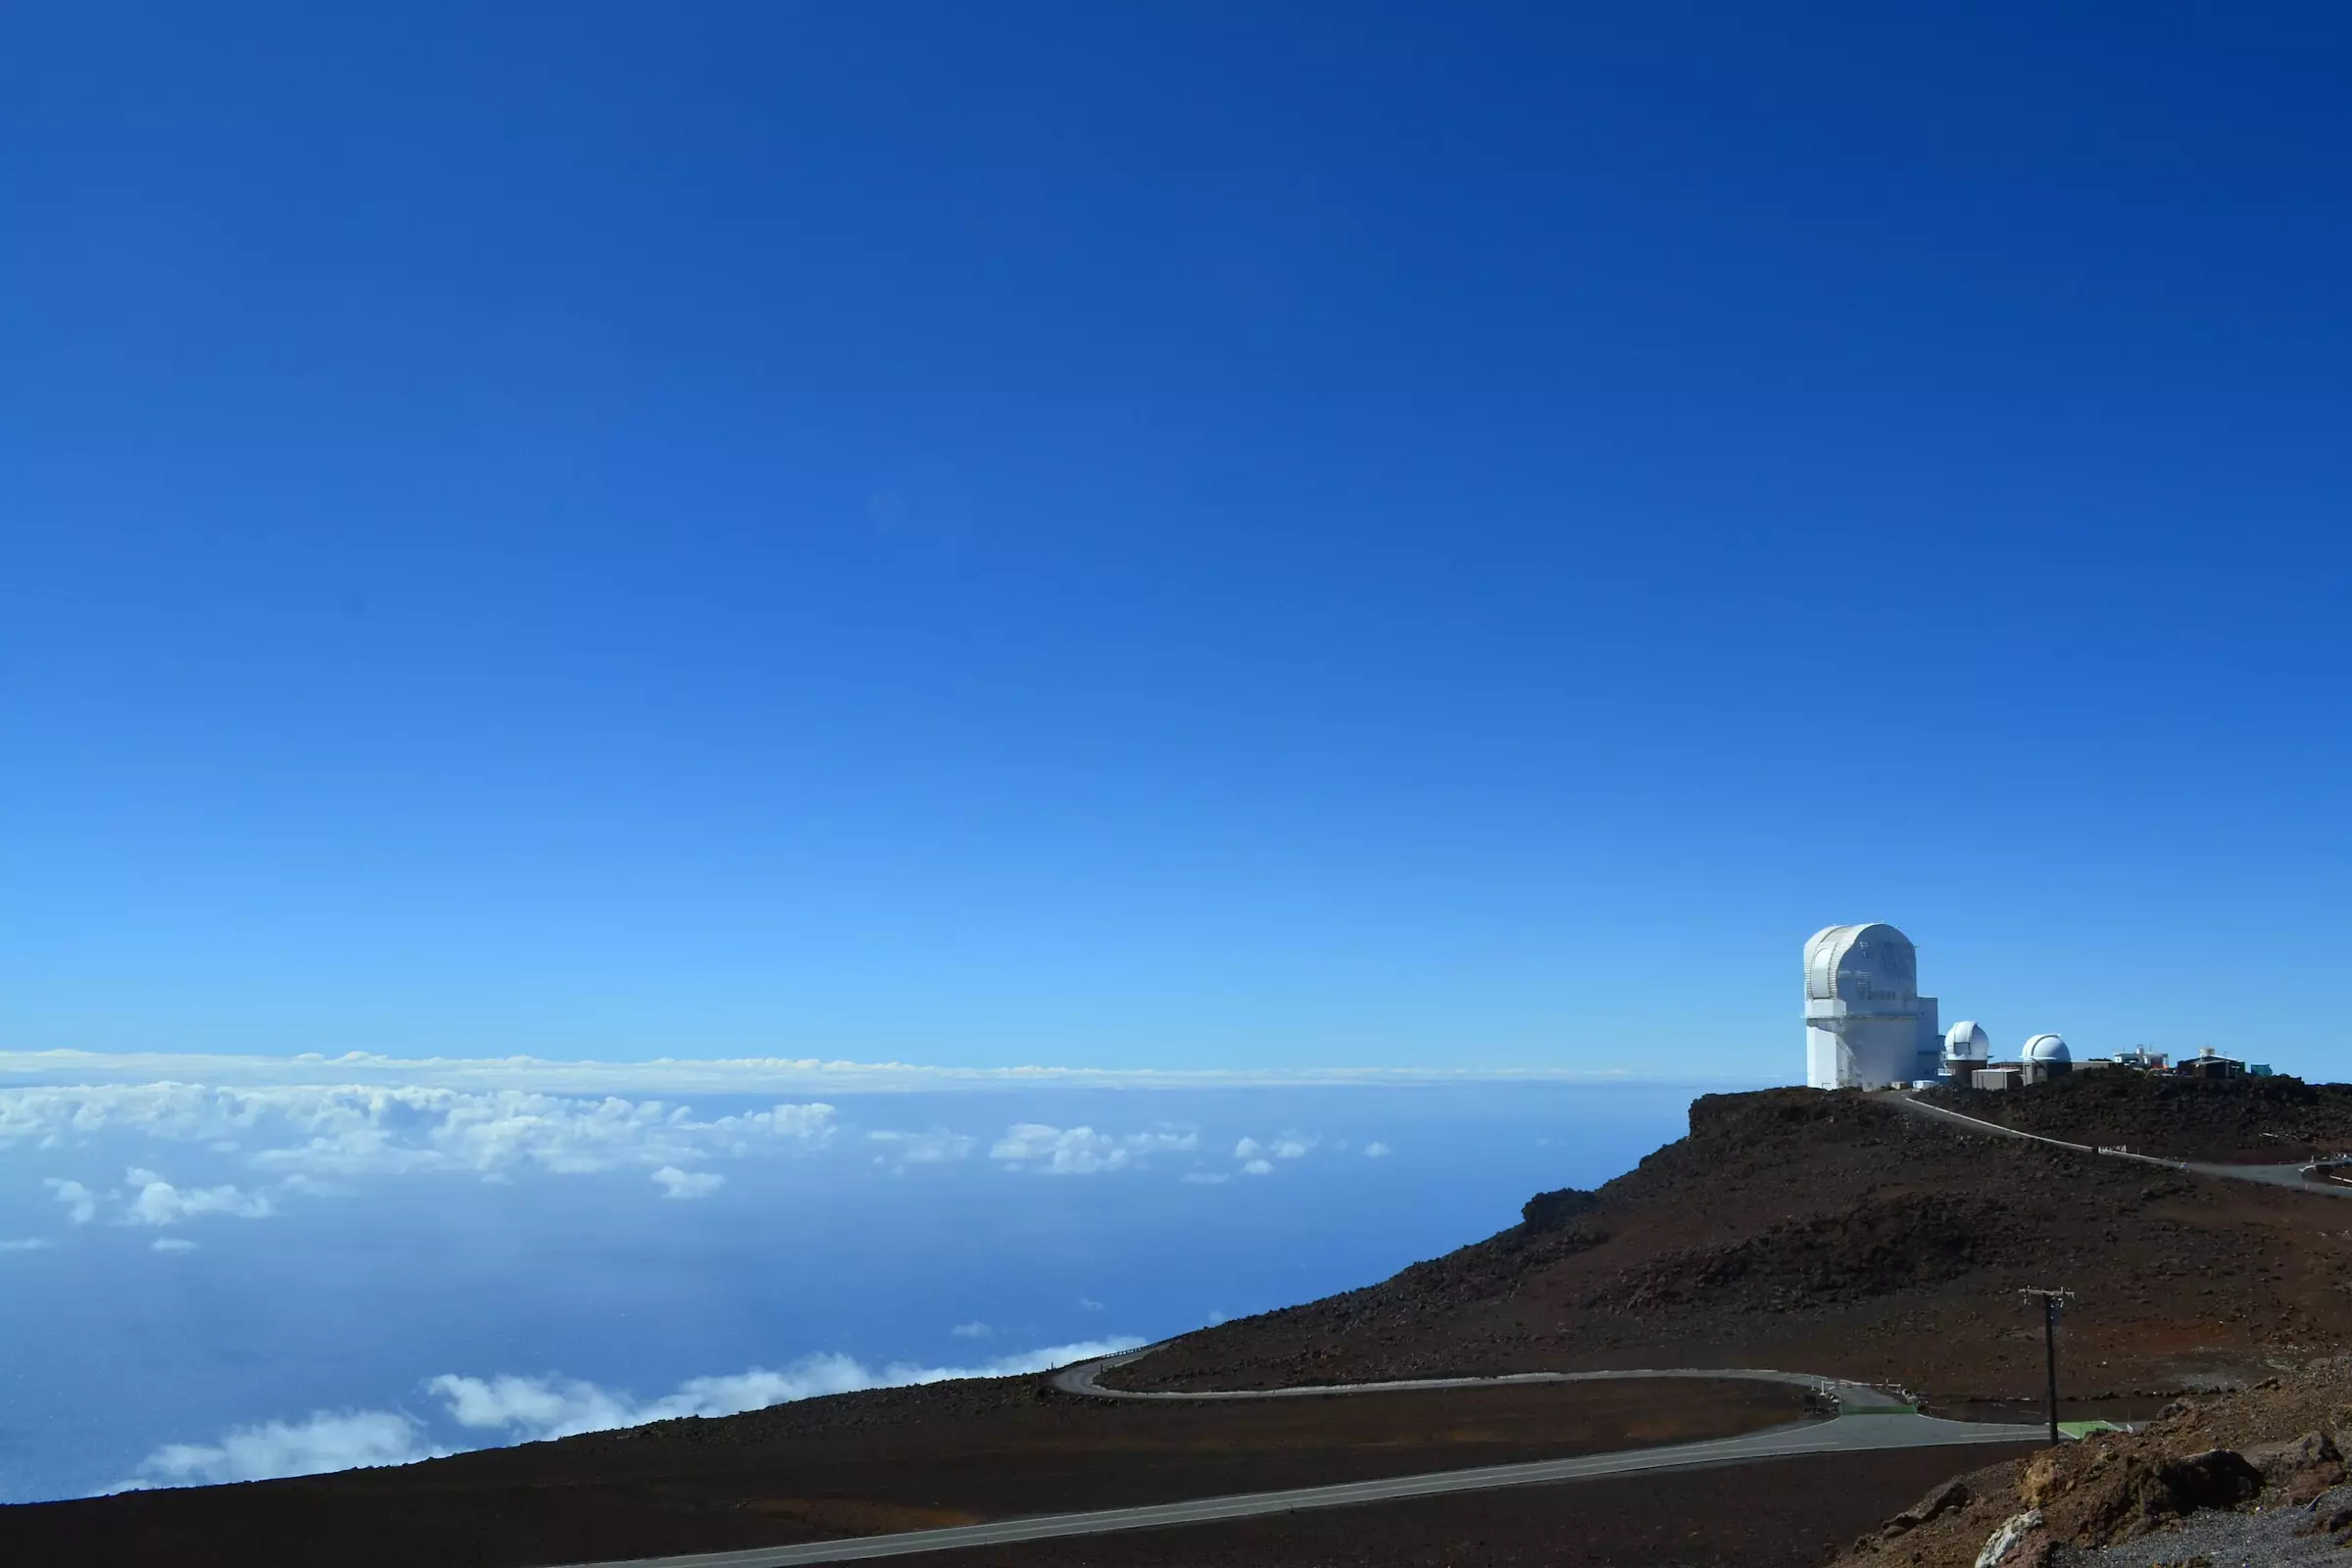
(1836, 1233)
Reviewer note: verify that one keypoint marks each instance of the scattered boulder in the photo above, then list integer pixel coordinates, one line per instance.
(1550, 1211)
(1934, 1505)
(2300, 1469)
(2043, 1478)
(2140, 1496)
(2217, 1478)
(2308, 1451)
(2009, 1545)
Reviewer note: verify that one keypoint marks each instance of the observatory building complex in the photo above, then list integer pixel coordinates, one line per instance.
(1866, 1024)
(1868, 1027)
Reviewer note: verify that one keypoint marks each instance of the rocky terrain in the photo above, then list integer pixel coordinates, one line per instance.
(2225, 1121)
(2256, 1475)
(871, 1463)
(1836, 1233)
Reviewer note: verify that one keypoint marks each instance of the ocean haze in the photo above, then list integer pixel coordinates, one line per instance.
(555, 1260)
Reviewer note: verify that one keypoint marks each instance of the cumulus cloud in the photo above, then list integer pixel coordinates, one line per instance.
(1082, 1151)
(1087, 1304)
(1376, 1150)
(172, 1243)
(676, 1183)
(938, 1147)
(530, 1410)
(1258, 1167)
(971, 1331)
(1246, 1149)
(327, 1441)
(1294, 1145)
(82, 1204)
(30, 1243)
(350, 1129)
(156, 1202)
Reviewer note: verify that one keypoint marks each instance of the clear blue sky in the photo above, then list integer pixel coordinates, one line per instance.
(1175, 535)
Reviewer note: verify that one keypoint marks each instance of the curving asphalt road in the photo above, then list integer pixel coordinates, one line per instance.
(1854, 1399)
(1869, 1419)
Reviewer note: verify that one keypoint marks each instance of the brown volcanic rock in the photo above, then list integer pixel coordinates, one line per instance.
(1836, 1233)
(2233, 1122)
(2268, 1446)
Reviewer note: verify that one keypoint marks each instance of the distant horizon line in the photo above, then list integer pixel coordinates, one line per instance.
(754, 1074)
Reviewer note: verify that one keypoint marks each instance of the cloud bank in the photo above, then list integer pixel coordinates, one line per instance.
(530, 1410)
(1082, 1151)
(356, 1129)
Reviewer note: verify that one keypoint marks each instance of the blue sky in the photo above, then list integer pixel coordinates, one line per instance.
(1167, 536)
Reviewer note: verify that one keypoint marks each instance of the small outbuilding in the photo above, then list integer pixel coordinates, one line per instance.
(2207, 1063)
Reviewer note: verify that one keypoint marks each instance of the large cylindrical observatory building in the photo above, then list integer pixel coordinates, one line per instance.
(1866, 1024)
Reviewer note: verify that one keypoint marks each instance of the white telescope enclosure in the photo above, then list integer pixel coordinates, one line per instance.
(1866, 1024)
(1966, 1048)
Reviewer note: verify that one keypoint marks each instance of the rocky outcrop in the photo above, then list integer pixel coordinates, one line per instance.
(2227, 1469)
(1552, 1211)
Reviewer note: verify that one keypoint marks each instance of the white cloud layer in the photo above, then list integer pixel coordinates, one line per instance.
(29, 1244)
(327, 1441)
(156, 1202)
(1377, 1150)
(528, 1410)
(676, 1183)
(1082, 1151)
(172, 1243)
(82, 1204)
(349, 1129)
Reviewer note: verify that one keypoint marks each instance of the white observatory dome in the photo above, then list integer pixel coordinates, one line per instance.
(1967, 1042)
(2045, 1048)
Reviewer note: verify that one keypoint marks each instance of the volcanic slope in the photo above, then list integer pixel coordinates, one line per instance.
(2224, 1121)
(1836, 1234)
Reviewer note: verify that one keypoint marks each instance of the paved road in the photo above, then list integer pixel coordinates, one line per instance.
(1854, 1399)
(2267, 1175)
(1870, 1420)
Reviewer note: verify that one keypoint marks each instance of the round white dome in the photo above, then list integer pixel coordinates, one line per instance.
(1967, 1042)
(2046, 1048)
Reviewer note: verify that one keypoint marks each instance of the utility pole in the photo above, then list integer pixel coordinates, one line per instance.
(2053, 1302)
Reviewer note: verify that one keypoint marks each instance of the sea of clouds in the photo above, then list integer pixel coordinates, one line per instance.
(342, 1253)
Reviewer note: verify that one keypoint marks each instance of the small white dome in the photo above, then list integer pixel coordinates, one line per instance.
(2046, 1048)
(1967, 1042)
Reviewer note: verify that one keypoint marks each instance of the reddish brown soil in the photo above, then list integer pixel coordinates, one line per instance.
(2119, 1487)
(1834, 1233)
(859, 1464)
(2243, 1121)
(1788, 1513)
